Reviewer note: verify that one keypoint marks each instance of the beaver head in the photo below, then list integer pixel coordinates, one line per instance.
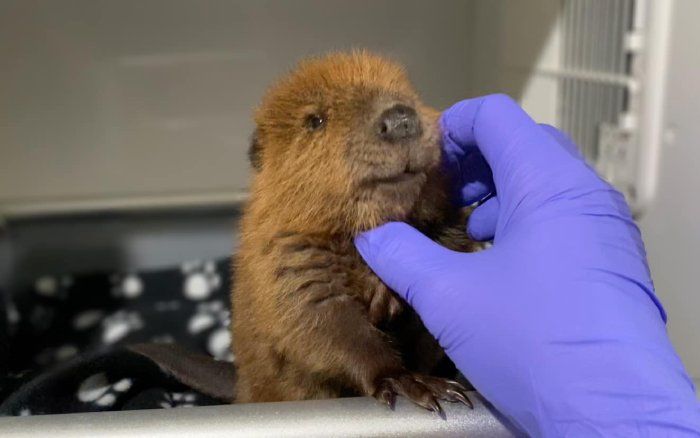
(342, 144)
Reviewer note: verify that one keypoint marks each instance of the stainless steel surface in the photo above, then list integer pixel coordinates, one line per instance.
(350, 417)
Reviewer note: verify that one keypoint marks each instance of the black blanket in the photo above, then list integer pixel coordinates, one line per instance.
(64, 341)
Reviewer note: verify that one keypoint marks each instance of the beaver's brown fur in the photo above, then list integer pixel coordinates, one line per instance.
(310, 320)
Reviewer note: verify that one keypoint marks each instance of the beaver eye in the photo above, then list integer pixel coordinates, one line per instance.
(315, 121)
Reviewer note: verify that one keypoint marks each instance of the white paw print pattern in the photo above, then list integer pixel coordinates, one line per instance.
(207, 315)
(116, 326)
(201, 279)
(65, 352)
(87, 318)
(55, 354)
(13, 315)
(219, 345)
(128, 286)
(46, 286)
(52, 287)
(178, 400)
(213, 314)
(98, 390)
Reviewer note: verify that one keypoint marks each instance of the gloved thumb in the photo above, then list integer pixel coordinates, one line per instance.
(483, 220)
(405, 259)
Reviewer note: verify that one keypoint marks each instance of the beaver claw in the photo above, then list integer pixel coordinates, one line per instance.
(425, 391)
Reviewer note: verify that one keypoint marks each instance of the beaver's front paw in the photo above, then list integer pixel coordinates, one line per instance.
(425, 391)
(384, 305)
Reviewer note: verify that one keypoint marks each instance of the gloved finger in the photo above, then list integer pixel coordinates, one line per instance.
(471, 172)
(564, 140)
(476, 181)
(514, 146)
(431, 278)
(405, 259)
(482, 221)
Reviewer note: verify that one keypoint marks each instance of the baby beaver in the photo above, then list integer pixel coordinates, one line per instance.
(343, 144)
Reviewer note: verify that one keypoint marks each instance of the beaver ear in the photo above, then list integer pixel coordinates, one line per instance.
(254, 151)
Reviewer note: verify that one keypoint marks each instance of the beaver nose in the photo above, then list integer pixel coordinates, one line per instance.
(400, 122)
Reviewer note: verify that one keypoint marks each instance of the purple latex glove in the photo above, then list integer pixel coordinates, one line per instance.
(557, 324)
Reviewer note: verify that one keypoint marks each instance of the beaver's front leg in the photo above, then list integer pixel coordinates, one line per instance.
(324, 327)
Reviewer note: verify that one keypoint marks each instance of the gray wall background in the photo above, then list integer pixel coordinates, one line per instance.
(101, 91)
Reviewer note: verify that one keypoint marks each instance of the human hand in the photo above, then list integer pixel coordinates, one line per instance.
(557, 324)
